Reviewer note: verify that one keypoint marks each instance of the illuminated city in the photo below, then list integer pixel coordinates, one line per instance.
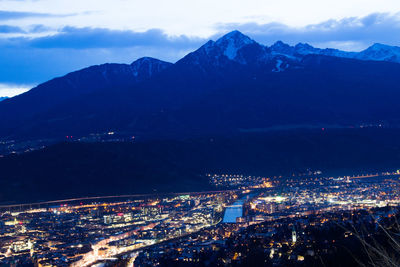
(85, 232)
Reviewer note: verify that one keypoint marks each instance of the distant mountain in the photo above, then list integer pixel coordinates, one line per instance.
(230, 85)
(376, 52)
(380, 52)
(3, 98)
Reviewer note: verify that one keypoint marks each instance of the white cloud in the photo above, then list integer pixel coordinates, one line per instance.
(191, 17)
(350, 33)
(11, 90)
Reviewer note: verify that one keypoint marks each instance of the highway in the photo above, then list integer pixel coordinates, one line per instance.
(65, 201)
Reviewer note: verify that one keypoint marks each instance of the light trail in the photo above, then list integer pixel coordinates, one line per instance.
(110, 197)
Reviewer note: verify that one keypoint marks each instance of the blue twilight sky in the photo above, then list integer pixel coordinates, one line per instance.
(41, 39)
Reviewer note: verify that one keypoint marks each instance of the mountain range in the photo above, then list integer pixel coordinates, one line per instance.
(376, 52)
(230, 85)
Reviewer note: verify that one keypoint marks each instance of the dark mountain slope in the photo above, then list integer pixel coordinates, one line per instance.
(93, 80)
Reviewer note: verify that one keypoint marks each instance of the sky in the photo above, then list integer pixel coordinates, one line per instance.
(43, 39)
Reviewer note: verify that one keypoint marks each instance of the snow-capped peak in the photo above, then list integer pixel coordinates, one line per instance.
(146, 66)
(232, 42)
(279, 44)
(304, 49)
(380, 52)
(230, 46)
(282, 48)
(382, 48)
(378, 46)
(147, 60)
(235, 36)
(233, 46)
(303, 46)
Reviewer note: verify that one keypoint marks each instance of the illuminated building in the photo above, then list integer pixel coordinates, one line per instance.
(294, 236)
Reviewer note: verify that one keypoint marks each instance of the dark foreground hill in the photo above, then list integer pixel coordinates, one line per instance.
(81, 169)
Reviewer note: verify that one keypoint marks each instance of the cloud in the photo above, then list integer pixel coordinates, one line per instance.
(13, 15)
(83, 38)
(31, 60)
(34, 60)
(10, 29)
(358, 32)
(39, 28)
(10, 90)
(9, 15)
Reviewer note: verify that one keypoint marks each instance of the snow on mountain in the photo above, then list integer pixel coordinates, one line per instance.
(139, 70)
(380, 52)
(305, 49)
(232, 42)
(145, 67)
(238, 47)
(233, 46)
(376, 52)
(281, 48)
(278, 66)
